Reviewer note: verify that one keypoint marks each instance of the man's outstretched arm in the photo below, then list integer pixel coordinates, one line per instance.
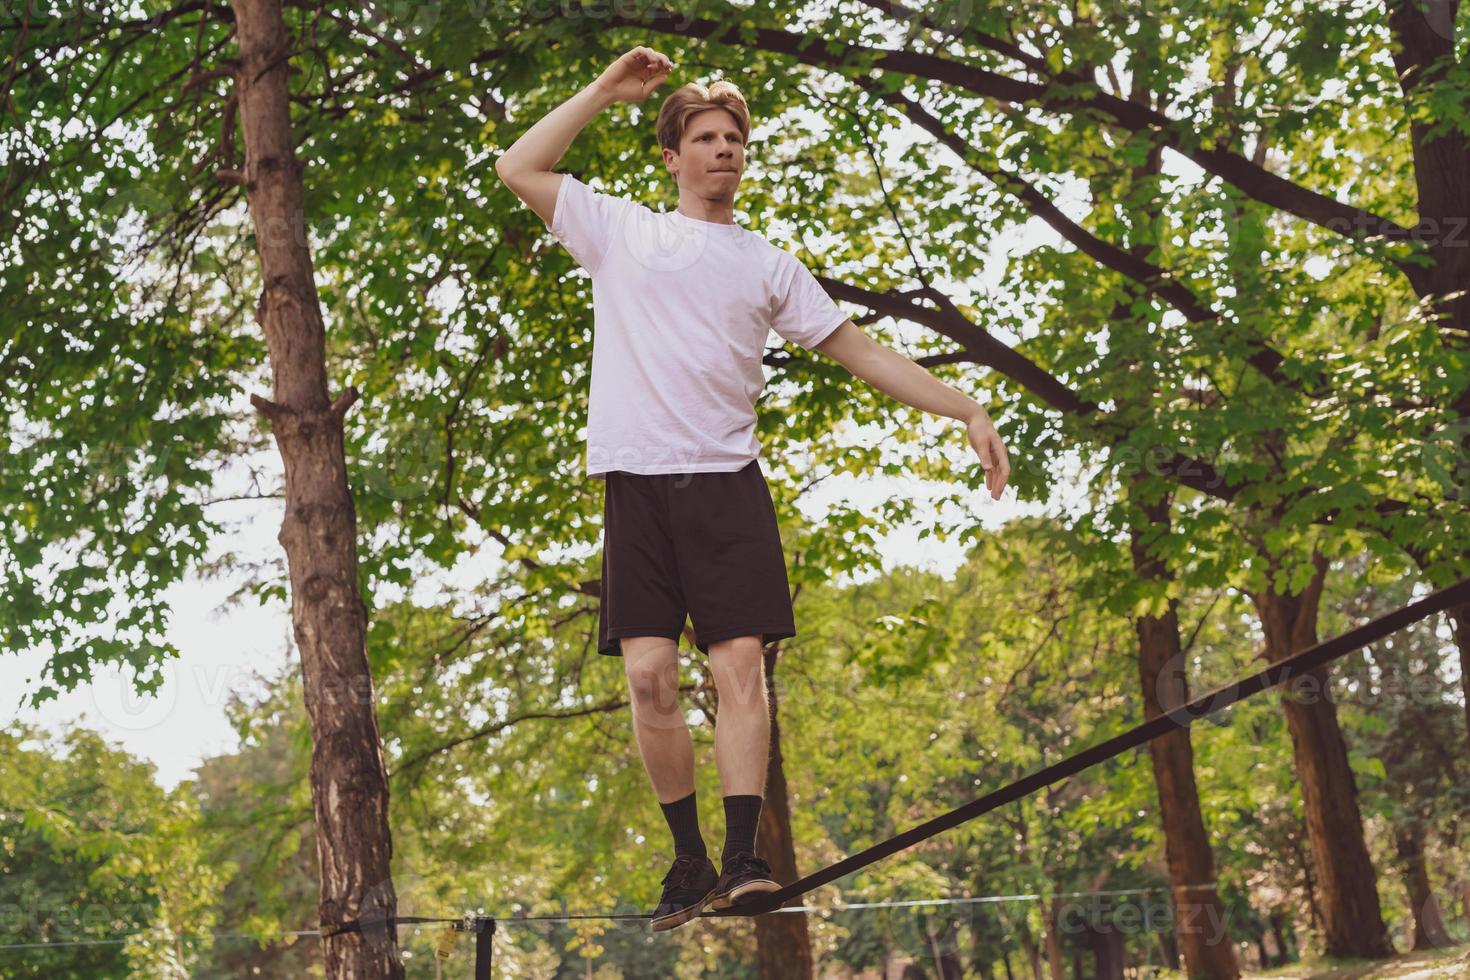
(898, 377)
(525, 167)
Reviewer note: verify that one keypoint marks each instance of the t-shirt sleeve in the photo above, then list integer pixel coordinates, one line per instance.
(803, 313)
(586, 221)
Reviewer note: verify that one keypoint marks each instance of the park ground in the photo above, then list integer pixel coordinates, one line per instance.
(1443, 964)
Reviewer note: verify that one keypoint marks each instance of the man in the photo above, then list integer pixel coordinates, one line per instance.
(683, 303)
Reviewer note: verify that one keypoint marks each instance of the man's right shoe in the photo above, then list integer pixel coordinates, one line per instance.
(688, 887)
(743, 877)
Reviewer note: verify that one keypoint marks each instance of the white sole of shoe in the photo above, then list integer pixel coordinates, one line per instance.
(762, 887)
(675, 919)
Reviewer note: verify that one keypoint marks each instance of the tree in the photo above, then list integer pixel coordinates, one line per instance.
(99, 861)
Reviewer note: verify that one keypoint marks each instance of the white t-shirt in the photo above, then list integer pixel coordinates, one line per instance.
(682, 309)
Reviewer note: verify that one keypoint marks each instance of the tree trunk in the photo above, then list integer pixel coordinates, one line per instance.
(1459, 617)
(1424, 36)
(349, 787)
(783, 944)
(1199, 915)
(1107, 951)
(942, 949)
(984, 940)
(1285, 949)
(1424, 58)
(1429, 927)
(1351, 916)
(1006, 962)
(1309, 880)
(1028, 946)
(1168, 949)
(1049, 914)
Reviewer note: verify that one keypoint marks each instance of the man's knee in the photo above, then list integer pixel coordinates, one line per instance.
(652, 665)
(738, 666)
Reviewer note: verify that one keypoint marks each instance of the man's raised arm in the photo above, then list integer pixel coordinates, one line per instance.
(526, 166)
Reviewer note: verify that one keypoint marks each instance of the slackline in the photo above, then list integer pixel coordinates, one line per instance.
(1302, 662)
(1298, 664)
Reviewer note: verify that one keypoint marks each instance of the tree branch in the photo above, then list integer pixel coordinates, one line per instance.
(1064, 92)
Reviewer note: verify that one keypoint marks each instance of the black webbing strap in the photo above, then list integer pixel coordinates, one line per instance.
(1296, 665)
(380, 922)
(484, 945)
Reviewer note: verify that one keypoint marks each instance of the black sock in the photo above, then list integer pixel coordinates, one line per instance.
(683, 818)
(742, 816)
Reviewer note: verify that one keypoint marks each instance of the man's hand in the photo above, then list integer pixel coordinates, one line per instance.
(634, 76)
(992, 452)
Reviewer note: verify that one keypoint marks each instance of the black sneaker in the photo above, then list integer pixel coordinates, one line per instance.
(688, 887)
(743, 875)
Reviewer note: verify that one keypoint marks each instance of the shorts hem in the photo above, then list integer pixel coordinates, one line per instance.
(768, 633)
(619, 632)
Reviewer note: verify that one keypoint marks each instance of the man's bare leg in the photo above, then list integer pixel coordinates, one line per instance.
(742, 745)
(652, 666)
(743, 724)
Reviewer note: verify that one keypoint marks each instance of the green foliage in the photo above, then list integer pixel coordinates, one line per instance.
(100, 861)
(128, 279)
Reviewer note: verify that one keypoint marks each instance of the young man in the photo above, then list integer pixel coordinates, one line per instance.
(683, 303)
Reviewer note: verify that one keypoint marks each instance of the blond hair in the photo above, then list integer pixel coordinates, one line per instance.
(692, 97)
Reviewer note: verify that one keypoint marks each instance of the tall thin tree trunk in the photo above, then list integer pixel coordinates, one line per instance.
(1168, 949)
(1351, 915)
(1459, 617)
(1410, 828)
(1199, 915)
(1309, 880)
(1029, 947)
(349, 786)
(1107, 951)
(941, 948)
(783, 944)
(1285, 951)
(1424, 58)
(1049, 914)
(1429, 927)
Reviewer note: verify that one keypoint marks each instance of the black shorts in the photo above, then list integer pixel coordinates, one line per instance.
(705, 544)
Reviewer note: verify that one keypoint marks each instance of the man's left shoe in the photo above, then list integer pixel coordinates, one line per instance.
(742, 876)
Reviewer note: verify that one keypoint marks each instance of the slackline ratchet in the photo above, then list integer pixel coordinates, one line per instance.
(1296, 665)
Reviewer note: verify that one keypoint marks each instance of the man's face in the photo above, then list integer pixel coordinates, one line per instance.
(711, 157)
